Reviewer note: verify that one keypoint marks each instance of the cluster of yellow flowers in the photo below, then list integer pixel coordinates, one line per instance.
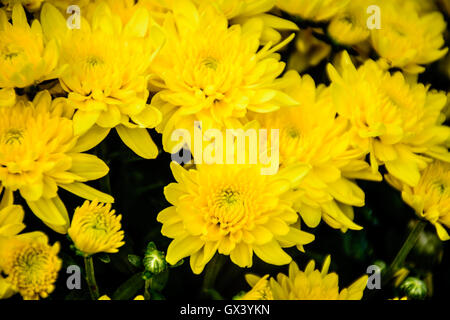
(67, 81)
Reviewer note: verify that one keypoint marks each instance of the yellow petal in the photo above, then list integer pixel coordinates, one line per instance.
(139, 141)
(242, 255)
(272, 253)
(84, 191)
(52, 212)
(88, 166)
(7, 97)
(183, 247)
(91, 139)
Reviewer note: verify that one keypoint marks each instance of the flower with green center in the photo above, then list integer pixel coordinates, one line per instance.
(431, 197)
(408, 38)
(107, 77)
(399, 122)
(311, 284)
(26, 58)
(40, 153)
(96, 228)
(211, 72)
(31, 265)
(233, 210)
(312, 134)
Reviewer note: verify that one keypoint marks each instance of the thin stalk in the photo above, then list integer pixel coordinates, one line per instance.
(404, 250)
(90, 278)
(211, 273)
(148, 284)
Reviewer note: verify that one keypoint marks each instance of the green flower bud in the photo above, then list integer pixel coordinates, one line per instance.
(414, 288)
(154, 260)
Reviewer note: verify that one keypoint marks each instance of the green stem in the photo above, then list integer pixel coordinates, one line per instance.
(148, 284)
(211, 273)
(90, 278)
(405, 249)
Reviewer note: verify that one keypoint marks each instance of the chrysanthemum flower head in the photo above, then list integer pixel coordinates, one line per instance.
(431, 197)
(408, 38)
(399, 122)
(311, 284)
(232, 210)
(311, 134)
(39, 153)
(214, 73)
(26, 57)
(315, 10)
(96, 228)
(108, 72)
(30, 264)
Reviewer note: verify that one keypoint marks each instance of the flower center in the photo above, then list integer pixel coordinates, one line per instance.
(9, 53)
(228, 197)
(229, 209)
(293, 133)
(94, 61)
(210, 63)
(13, 136)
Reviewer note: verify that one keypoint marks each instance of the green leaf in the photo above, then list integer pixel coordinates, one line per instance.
(159, 281)
(103, 257)
(128, 289)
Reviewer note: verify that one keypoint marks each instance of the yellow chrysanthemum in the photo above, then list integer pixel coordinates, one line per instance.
(30, 5)
(311, 134)
(311, 284)
(232, 210)
(214, 73)
(96, 228)
(25, 57)
(315, 10)
(431, 197)
(400, 123)
(39, 153)
(108, 73)
(261, 289)
(350, 26)
(408, 38)
(30, 264)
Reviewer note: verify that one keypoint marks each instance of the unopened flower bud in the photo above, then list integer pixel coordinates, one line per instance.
(414, 288)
